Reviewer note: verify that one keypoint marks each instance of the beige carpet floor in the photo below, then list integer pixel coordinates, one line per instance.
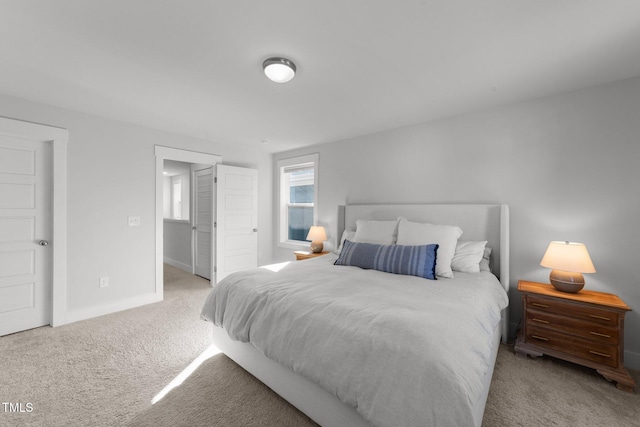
(106, 371)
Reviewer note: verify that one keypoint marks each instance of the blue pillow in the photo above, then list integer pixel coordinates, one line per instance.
(398, 259)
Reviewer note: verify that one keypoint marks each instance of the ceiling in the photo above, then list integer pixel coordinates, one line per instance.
(194, 67)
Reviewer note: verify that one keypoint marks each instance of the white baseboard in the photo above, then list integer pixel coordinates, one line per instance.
(114, 307)
(177, 264)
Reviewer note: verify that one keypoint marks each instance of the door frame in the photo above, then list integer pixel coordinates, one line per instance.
(168, 153)
(58, 138)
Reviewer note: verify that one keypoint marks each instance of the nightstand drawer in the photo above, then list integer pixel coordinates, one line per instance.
(585, 349)
(578, 311)
(582, 328)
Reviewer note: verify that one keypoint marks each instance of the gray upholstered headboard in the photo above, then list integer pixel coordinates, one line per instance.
(488, 222)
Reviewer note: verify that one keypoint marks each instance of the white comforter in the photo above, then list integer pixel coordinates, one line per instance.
(403, 350)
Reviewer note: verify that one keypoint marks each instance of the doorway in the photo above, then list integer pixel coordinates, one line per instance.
(188, 217)
(193, 157)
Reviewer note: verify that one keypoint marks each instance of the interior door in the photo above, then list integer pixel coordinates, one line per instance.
(237, 218)
(203, 222)
(25, 230)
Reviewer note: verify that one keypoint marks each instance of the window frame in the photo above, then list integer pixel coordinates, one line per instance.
(282, 189)
(169, 183)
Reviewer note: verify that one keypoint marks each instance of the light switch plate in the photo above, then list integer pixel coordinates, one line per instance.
(134, 221)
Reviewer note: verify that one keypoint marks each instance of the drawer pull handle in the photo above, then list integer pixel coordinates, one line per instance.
(597, 353)
(539, 338)
(539, 320)
(598, 334)
(539, 305)
(599, 317)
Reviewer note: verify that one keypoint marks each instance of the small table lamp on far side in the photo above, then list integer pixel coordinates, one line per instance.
(317, 235)
(568, 260)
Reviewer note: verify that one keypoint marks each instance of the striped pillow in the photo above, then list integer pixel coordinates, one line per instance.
(398, 259)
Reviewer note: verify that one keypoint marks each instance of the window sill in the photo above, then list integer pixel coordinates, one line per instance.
(179, 221)
(294, 244)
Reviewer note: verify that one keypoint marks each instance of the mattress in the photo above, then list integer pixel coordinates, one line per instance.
(402, 350)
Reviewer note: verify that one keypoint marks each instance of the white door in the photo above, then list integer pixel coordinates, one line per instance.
(237, 218)
(25, 230)
(203, 222)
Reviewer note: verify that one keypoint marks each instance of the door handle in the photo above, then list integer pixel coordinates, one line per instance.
(193, 228)
(43, 242)
(255, 230)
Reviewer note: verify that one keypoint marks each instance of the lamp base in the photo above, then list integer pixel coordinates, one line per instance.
(316, 247)
(566, 281)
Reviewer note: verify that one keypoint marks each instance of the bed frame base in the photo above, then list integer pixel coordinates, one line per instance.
(318, 404)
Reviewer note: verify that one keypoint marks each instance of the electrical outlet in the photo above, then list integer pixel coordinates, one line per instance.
(104, 282)
(134, 221)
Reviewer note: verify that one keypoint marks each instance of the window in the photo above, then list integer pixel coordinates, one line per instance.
(176, 198)
(298, 184)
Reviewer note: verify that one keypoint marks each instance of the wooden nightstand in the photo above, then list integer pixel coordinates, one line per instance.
(586, 328)
(300, 255)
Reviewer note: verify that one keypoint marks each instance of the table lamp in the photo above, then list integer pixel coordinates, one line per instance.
(568, 260)
(317, 235)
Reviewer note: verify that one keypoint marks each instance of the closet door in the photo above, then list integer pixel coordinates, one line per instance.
(202, 222)
(25, 234)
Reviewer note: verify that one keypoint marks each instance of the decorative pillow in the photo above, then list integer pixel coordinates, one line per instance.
(378, 232)
(408, 260)
(485, 262)
(467, 257)
(346, 235)
(446, 236)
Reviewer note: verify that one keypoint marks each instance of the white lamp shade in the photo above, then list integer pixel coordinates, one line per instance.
(317, 234)
(568, 256)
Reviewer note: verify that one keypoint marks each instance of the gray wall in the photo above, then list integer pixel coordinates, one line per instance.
(568, 166)
(111, 175)
(177, 244)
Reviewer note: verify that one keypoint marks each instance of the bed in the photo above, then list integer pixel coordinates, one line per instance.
(268, 321)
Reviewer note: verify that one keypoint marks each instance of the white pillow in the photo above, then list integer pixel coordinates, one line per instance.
(485, 262)
(346, 235)
(446, 236)
(467, 257)
(378, 232)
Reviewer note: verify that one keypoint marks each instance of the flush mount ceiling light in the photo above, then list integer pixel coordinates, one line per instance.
(279, 70)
